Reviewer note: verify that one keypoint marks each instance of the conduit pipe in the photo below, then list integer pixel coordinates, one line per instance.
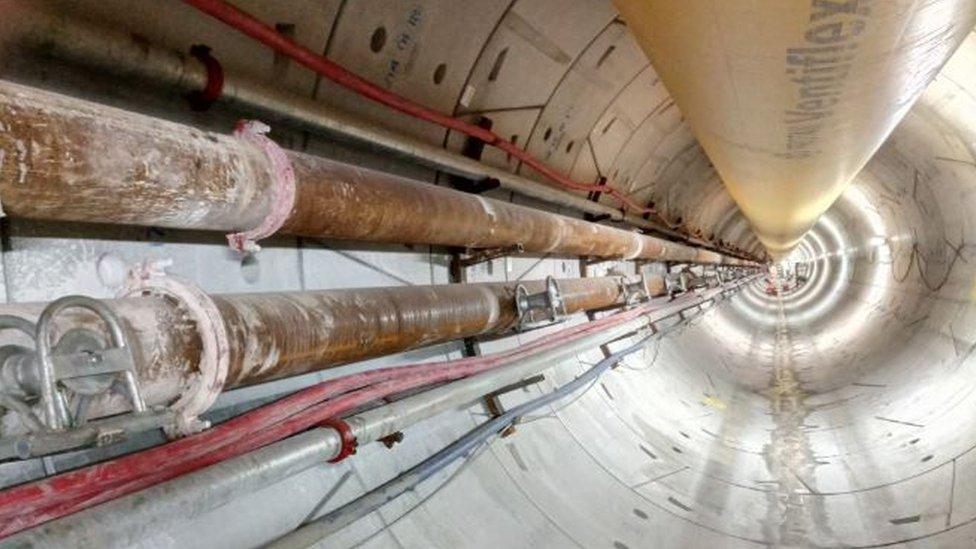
(72, 160)
(37, 30)
(790, 99)
(323, 66)
(28, 505)
(275, 335)
(380, 422)
(311, 533)
(127, 520)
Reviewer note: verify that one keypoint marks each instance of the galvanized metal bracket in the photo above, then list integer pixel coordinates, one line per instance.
(539, 309)
(62, 373)
(675, 283)
(461, 261)
(634, 290)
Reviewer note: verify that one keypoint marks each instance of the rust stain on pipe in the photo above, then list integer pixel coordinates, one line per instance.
(277, 335)
(71, 160)
(280, 335)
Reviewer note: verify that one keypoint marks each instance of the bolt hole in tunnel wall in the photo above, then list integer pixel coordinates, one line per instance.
(830, 407)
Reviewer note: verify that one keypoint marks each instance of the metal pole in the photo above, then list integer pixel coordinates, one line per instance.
(118, 53)
(72, 160)
(276, 335)
(128, 520)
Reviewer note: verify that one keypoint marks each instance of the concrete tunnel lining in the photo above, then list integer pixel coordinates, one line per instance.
(837, 415)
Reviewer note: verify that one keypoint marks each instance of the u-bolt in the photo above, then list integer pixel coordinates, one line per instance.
(55, 413)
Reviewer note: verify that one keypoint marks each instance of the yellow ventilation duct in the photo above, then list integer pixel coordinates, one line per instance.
(790, 98)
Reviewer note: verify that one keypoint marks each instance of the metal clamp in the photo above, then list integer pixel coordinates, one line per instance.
(675, 283)
(11, 394)
(70, 365)
(712, 278)
(201, 100)
(82, 362)
(634, 290)
(547, 303)
(349, 442)
(150, 278)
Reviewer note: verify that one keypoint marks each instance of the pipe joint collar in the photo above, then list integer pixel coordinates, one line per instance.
(150, 279)
(349, 442)
(254, 133)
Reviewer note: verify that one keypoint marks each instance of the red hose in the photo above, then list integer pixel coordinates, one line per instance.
(253, 27)
(25, 506)
(159, 460)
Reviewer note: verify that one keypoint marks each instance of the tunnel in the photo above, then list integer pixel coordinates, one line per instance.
(742, 392)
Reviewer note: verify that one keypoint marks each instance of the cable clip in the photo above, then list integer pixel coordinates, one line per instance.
(282, 187)
(201, 100)
(349, 442)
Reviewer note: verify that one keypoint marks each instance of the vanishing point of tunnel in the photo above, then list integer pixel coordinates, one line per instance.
(508, 273)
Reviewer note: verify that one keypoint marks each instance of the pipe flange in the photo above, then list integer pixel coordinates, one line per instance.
(254, 133)
(149, 278)
(349, 442)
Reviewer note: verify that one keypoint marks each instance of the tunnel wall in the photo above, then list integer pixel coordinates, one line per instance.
(806, 419)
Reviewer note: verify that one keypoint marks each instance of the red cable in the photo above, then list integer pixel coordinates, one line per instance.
(73, 501)
(253, 27)
(96, 478)
(28, 505)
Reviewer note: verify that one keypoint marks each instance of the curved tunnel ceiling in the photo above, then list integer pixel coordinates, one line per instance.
(791, 99)
(836, 414)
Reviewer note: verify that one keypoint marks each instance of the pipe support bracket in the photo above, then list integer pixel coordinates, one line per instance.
(149, 278)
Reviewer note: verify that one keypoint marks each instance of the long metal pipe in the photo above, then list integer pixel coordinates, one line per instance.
(790, 99)
(72, 160)
(130, 520)
(120, 53)
(313, 532)
(276, 335)
(377, 423)
(127, 520)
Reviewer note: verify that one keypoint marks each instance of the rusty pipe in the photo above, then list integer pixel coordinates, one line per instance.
(276, 335)
(71, 160)
(311, 330)
(34, 30)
